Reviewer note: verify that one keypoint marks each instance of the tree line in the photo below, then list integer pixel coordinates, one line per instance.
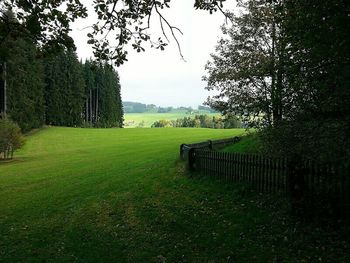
(137, 107)
(201, 121)
(55, 88)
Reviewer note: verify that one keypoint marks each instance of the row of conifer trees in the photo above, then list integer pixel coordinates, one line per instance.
(57, 88)
(82, 94)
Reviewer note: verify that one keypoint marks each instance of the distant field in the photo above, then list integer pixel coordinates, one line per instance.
(122, 195)
(133, 120)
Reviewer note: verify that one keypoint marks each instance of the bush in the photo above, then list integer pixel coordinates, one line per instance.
(162, 124)
(325, 141)
(11, 138)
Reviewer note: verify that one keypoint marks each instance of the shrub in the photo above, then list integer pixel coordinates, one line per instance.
(162, 124)
(325, 141)
(11, 138)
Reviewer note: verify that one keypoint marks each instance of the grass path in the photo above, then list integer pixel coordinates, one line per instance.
(120, 195)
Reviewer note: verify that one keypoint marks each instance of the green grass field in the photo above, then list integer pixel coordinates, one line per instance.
(122, 195)
(133, 120)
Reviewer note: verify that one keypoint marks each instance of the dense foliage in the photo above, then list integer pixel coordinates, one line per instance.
(21, 78)
(47, 23)
(64, 91)
(319, 40)
(82, 94)
(284, 66)
(11, 138)
(25, 85)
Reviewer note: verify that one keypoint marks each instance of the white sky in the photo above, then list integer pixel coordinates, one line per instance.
(161, 77)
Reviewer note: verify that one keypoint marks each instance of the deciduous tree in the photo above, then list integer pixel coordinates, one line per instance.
(248, 66)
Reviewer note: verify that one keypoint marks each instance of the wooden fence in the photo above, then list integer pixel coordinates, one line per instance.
(209, 145)
(264, 174)
(299, 179)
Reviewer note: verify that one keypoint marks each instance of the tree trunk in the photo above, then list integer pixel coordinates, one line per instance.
(90, 106)
(6, 153)
(96, 115)
(86, 110)
(274, 99)
(279, 87)
(5, 89)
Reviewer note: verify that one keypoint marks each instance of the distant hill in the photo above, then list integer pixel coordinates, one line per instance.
(137, 107)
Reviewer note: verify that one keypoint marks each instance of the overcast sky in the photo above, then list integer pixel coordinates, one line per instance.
(162, 77)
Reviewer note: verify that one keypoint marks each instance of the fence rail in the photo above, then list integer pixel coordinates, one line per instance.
(299, 179)
(209, 145)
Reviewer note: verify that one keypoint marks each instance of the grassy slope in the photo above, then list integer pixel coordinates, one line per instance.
(150, 117)
(248, 144)
(120, 195)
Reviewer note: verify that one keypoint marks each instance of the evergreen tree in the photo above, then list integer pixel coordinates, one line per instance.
(120, 110)
(25, 85)
(75, 90)
(103, 106)
(64, 90)
(89, 78)
(111, 105)
(52, 90)
(22, 86)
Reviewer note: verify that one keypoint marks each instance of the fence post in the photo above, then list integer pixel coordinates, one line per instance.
(210, 144)
(182, 151)
(236, 139)
(296, 184)
(191, 159)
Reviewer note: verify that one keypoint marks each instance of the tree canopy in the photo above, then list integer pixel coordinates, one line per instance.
(48, 22)
(248, 66)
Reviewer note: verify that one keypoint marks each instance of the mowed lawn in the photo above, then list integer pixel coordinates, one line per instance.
(122, 195)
